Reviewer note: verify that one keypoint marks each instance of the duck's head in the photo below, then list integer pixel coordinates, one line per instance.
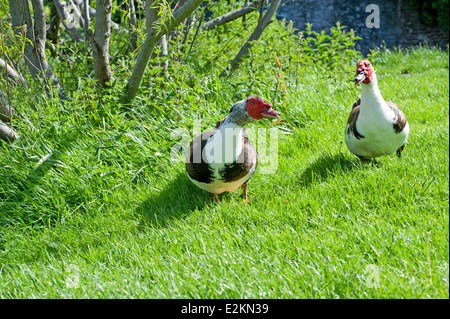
(251, 109)
(364, 72)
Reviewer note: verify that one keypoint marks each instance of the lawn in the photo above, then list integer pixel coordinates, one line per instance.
(108, 214)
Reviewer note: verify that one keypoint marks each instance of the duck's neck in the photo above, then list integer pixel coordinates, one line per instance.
(226, 144)
(372, 102)
(371, 90)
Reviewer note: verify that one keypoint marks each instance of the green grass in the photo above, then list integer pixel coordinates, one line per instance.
(125, 221)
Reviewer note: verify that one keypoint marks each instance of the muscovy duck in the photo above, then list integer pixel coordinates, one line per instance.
(375, 127)
(222, 159)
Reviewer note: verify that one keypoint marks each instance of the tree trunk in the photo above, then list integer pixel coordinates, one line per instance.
(262, 25)
(163, 56)
(34, 50)
(39, 22)
(151, 39)
(133, 25)
(100, 42)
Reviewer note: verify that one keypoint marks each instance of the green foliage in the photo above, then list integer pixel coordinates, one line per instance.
(12, 45)
(332, 52)
(4, 9)
(432, 12)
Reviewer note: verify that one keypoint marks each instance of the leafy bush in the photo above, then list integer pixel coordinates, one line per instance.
(333, 52)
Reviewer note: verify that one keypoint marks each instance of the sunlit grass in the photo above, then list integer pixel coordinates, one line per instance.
(109, 215)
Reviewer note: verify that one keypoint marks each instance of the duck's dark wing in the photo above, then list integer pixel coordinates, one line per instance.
(196, 167)
(399, 119)
(357, 103)
(218, 124)
(351, 122)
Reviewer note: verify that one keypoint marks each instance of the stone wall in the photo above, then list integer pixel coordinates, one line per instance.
(413, 33)
(398, 26)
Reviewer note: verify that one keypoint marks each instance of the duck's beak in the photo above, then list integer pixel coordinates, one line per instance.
(269, 112)
(360, 77)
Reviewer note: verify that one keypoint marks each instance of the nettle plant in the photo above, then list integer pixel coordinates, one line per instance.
(333, 51)
(299, 52)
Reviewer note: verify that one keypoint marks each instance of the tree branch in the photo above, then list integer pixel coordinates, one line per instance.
(6, 114)
(232, 15)
(6, 110)
(262, 25)
(151, 14)
(39, 21)
(84, 7)
(7, 133)
(93, 13)
(132, 21)
(10, 74)
(68, 19)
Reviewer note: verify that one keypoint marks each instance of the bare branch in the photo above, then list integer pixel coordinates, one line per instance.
(68, 19)
(84, 7)
(262, 25)
(7, 133)
(6, 110)
(10, 74)
(232, 15)
(92, 12)
(132, 21)
(6, 114)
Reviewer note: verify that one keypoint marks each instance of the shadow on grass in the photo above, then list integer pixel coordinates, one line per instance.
(178, 199)
(329, 166)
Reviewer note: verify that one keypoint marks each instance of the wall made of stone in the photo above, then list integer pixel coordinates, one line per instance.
(397, 25)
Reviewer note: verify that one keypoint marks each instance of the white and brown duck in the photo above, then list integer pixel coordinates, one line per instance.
(222, 159)
(375, 127)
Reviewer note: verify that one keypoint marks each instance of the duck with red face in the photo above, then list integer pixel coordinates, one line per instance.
(375, 127)
(364, 71)
(222, 159)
